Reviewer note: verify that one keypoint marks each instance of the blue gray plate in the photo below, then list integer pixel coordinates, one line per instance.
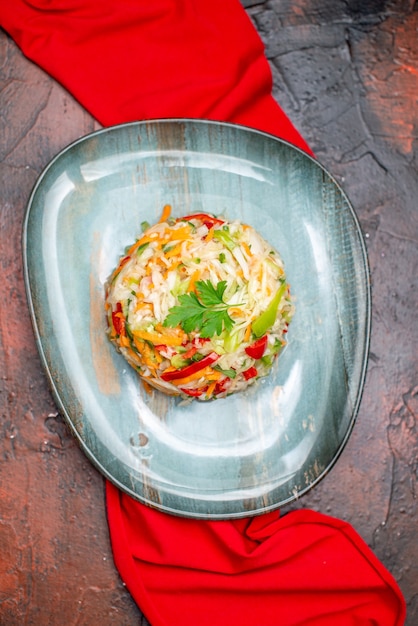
(251, 452)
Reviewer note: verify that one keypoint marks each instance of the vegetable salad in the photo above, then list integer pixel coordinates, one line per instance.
(199, 305)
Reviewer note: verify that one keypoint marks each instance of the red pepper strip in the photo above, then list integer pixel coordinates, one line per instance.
(208, 220)
(118, 320)
(195, 393)
(190, 369)
(221, 386)
(251, 372)
(257, 349)
(191, 352)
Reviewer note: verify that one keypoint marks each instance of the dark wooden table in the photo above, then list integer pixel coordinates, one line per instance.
(347, 74)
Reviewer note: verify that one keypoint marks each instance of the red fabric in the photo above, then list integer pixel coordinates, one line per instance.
(126, 60)
(302, 569)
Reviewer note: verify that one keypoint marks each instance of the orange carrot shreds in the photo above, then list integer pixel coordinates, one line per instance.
(173, 266)
(147, 354)
(246, 248)
(138, 343)
(124, 341)
(175, 251)
(143, 357)
(158, 357)
(152, 356)
(153, 237)
(236, 310)
(206, 372)
(170, 332)
(193, 278)
(158, 339)
(247, 334)
(145, 307)
(209, 236)
(211, 389)
(165, 214)
(178, 234)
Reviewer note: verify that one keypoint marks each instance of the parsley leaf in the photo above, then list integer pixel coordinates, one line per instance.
(187, 314)
(204, 311)
(210, 295)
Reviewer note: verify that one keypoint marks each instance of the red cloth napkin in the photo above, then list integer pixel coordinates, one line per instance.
(127, 60)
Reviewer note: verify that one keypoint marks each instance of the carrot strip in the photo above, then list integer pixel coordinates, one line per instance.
(209, 236)
(165, 214)
(246, 248)
(206, 372)
(211, 389)
(174, 251)
(139, 345)
(147, 239)
(124, 341)
(247, 333)
(178, 234)
(149, 356)
(170, 332)
(144, 305)
(158, 339)
(193, 278)
(173, 266)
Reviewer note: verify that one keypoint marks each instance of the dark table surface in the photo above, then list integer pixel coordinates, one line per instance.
(347, 75)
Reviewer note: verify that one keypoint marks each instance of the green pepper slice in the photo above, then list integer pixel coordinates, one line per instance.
(266, 320)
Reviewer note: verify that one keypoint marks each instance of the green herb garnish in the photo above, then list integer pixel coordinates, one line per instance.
(224, 236)
(204, 311)
(230, 372)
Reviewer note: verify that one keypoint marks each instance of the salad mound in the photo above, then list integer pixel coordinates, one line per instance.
(199, 306)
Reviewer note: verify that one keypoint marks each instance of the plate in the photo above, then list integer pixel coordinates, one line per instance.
(233, 457)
